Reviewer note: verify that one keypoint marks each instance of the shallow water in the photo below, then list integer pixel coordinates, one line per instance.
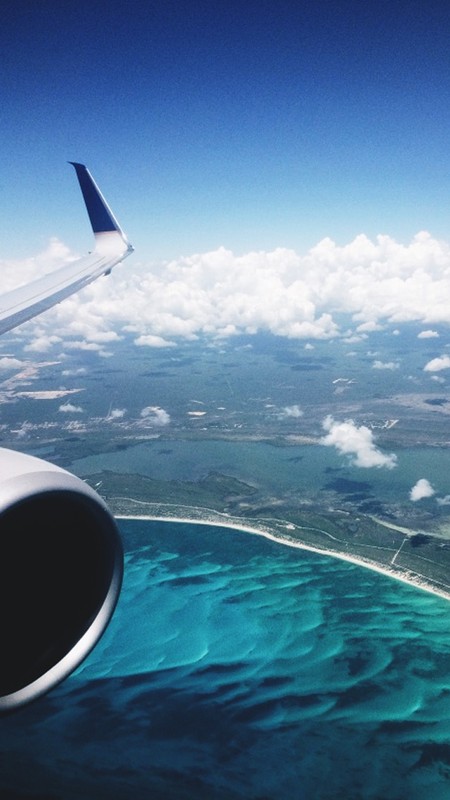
(236, 667)
(306, 469)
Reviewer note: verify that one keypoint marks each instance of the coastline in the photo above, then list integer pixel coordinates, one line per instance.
(413, 580)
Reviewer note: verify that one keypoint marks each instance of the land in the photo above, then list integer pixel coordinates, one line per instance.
(411, 555)
(250, 390)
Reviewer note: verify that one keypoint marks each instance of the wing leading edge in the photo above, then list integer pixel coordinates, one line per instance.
(111, 247)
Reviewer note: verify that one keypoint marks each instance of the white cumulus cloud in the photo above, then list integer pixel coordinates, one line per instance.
(83, 345)
(69, 408)
(10, 363)
(220, 294)
(42, 343)
(420, 490)
(292, 411)
(357, 442)
(116, 413)
(428, 334)
(154, 415)
(438, 364)
(150, 340)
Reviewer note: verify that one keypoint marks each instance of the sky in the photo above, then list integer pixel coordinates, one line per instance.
(249, 125)
(275, 164)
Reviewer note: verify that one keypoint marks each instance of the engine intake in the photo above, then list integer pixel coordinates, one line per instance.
(60, 574)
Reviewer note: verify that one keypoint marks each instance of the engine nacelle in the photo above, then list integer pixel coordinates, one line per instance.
(61, 567)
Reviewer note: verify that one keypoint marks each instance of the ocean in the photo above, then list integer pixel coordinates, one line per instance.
(236, 667)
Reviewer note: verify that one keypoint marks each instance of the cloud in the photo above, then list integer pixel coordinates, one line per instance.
(154, 415)
(220, 294)
(429, 334)
(369, 327)
(69, 408)
(82, 345)
(420, 490)
(153, 341)
(24, 430)
(385, 365)
(356, 442)
(355, 338)
(291, 411)
(116, 413)
(74, 372)
(42, 343)
(10, 363)
(438, 364)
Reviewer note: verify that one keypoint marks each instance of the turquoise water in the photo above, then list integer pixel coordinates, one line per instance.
(238, 668)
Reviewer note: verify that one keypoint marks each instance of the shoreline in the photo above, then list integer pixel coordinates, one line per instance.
(404, 577)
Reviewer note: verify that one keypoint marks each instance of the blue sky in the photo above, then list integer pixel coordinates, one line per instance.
(249, 125)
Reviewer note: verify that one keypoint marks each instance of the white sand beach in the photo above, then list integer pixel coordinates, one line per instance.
(413, 579)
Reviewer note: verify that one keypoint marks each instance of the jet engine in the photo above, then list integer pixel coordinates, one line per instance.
(61, 571)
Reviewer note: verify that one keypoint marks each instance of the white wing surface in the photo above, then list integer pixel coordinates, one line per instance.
(111, 247)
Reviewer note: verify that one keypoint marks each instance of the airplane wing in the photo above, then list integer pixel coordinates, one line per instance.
(111, 247)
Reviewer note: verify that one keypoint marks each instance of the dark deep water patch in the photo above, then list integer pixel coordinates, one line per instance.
(347, 486)
(237, 668)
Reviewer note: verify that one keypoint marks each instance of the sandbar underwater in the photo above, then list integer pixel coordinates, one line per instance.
(236, 667)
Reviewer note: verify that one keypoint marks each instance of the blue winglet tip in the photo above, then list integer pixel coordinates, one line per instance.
(100, 215)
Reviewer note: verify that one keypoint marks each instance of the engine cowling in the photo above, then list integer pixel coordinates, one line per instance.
(61, 571)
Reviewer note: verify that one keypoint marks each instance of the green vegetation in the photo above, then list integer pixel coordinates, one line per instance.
(221, 499)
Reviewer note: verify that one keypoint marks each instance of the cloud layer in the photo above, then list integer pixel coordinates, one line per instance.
(220, 294)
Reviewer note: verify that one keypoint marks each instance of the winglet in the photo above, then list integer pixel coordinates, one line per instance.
(101, 217)
(111, 247)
